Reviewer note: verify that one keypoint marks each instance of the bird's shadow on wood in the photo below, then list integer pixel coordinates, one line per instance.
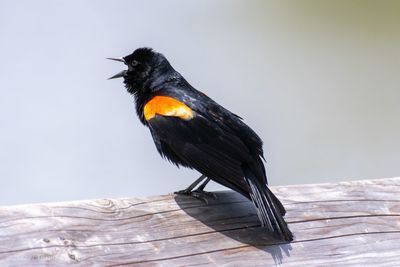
(234, 216)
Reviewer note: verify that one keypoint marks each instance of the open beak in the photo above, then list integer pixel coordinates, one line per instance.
(120, 74)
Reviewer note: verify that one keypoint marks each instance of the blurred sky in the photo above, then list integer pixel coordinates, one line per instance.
(318, 80)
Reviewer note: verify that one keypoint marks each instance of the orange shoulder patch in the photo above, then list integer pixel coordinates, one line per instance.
(166, 106)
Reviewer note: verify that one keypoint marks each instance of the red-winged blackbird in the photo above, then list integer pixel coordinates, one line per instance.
(191, 130)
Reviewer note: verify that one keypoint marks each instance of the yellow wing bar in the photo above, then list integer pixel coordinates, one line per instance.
(166, 106)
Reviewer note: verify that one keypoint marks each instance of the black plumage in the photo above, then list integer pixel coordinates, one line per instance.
(212, 140)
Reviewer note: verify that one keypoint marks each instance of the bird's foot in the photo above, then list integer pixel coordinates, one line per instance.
(183, 192)
(198, 194)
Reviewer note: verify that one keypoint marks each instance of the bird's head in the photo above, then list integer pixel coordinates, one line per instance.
(145, 69)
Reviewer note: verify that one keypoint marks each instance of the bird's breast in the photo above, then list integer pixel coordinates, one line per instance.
(167, 106)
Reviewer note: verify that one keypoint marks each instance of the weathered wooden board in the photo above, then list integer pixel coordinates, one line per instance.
(345, 224)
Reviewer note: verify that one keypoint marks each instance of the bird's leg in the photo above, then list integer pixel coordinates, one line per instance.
(203, 185)
(190, 188)
(199, 193)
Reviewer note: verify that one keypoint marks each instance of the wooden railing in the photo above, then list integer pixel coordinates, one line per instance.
(353, 223)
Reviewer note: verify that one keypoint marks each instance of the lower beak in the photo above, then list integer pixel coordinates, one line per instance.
(119, 75)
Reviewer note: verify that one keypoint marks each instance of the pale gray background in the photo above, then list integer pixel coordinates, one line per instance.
(318, 80)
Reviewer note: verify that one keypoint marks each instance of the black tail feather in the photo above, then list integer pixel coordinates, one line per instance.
(279, 204)
(270, 210)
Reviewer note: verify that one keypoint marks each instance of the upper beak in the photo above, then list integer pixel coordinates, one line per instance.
(120, 59)
(120, 74)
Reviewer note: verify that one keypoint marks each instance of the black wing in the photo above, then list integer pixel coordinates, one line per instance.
(226, 121)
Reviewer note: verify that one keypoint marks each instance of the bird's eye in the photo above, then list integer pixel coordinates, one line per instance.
(134, 63)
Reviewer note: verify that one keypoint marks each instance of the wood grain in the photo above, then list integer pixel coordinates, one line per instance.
(343, 224)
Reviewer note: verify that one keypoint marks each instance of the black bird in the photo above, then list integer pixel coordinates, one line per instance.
(192, 130)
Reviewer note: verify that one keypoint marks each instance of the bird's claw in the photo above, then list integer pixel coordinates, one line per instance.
(198, 194)
(183, 192)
